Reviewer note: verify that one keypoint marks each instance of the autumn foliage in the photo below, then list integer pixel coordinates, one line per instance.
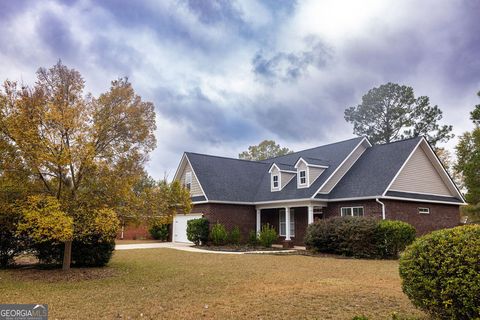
(79, 159)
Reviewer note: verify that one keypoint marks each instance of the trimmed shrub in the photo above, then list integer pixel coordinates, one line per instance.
(218, 234)
(360, 237)
(252, 238)
(11, 244)
(441, 273)
(197, 230)
(85, 253)
(393, 237)
(235, 236)
(159, 232)
(94, 253)
(267, 236)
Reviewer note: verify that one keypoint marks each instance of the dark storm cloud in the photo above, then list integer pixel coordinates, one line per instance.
(289, 66)
(204, 119)
(56, 35)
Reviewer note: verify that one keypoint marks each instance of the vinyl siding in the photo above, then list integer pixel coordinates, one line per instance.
(314, 173)
(286, 177)
(343, 169)
(195, 190)
(419, 175)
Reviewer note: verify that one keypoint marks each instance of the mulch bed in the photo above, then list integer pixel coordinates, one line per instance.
(238, 248)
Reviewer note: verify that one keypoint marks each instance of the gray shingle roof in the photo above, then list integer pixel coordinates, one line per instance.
(235, 180)
(374, 170)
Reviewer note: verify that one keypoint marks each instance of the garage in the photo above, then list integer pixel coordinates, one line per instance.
(180, 226)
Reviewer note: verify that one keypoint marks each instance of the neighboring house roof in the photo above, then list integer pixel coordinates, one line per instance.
(235, 180)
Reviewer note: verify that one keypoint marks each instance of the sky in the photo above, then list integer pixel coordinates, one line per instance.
(224, 75)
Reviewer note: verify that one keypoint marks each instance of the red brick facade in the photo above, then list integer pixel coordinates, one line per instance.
(133, 231)
(229, 215)
(244, 216)
(441, 215)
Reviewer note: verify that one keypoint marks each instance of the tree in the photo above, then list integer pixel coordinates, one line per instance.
(448, 162)
(468, 163)
(264, 150)
(391, 112)
(86, 152)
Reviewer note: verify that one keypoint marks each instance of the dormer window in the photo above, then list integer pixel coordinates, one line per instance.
(302, 175)
(188, 180)
(275, 182)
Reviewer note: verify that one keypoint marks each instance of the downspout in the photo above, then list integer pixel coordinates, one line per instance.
(383, 207)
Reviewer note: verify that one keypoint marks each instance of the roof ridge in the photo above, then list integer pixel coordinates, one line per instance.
(324, 145)
(223, 157)
(396, 141)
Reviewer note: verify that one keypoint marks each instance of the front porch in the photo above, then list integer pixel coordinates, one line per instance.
(295, 215)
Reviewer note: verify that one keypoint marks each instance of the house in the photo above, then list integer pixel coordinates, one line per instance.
(403, 180)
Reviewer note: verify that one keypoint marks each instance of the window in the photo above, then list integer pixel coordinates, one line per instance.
(275, 182)
(188, 180)
(424, 210)
(283, 222)
(303, 177)
(351, 211)
(317, 213)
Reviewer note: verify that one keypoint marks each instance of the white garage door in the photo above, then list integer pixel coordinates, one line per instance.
(180, 226)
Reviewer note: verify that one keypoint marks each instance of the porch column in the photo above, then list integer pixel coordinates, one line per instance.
(287, 224)
(259, 215)
(310, 214)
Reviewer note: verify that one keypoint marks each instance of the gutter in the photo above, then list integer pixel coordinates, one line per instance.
(383, 207)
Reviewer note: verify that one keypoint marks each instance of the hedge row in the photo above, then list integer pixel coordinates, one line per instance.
(359, 237)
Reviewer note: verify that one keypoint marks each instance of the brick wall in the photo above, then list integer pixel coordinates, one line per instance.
(133, 231)
(370, 208)
(229, 215)
(441, 215)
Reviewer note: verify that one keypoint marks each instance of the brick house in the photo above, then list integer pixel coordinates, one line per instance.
(403, 180)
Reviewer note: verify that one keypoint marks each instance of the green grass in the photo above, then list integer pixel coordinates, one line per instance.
(164, 283)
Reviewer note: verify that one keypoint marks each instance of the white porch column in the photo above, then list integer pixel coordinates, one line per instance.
(259, 215)
(287, 224)
(310, 214)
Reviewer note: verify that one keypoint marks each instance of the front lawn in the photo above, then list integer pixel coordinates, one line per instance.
(165, 283)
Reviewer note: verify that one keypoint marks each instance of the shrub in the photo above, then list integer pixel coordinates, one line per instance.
(441, 273)
(392, 237)
(218, 234)
(93, 242)
(252, 238)
(85, 252)
(197, 230)
(159, 232)
(11, 244)
(360, 237)
(235, 236)
(267, 236)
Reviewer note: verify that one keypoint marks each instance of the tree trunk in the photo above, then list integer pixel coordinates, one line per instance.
(67, 255)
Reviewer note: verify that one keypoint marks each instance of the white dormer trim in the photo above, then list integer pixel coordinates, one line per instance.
(309, 164)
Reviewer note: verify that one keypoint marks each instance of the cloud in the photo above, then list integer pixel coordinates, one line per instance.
(227, 74)
(283, 66)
